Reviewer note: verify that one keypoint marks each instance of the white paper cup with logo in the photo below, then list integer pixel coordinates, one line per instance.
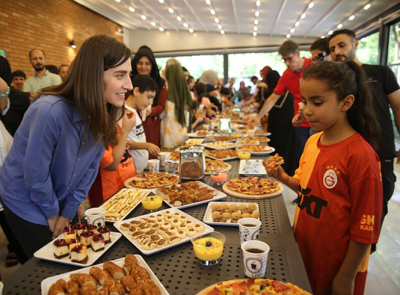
(255, 258)
(154, 165)
(249, 228)
(163, 157)
(96, 216)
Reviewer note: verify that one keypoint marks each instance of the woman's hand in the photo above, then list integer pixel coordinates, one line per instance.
(59, 226)
(128, 121)
(52, 222)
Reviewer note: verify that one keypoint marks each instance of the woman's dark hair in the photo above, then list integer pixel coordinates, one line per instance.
(18, 73)
(200, 88)
(5, 70)
(195, 105)
(347, 78)
(144, 83)
(83, 87)
(155, 74)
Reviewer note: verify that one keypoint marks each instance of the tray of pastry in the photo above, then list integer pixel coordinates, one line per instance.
(216, 166)
(219, 145)
(224, 155)
(122, 203)
(155, 232)
(228, 213)
(128, 275)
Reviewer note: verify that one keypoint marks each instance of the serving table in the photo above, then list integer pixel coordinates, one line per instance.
(177, 268)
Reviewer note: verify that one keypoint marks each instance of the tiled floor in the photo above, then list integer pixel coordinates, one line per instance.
(384, 267)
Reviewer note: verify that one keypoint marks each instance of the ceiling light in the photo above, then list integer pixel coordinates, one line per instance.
(256, 21)
(153, 24)
(303, 15)
(288, 36)
(292, 31)
(170, 10)
(212, 11)
(161, 1)
(257, 13)
(191, 30)
(339, 26)
(255, 28)
(161, 29)
(311, 5)
(254, 34)
(352, 17)
(222, 32)
(219, 27)
(322, 37)
(185, 25)
(367, 6)
(118, 1)
(297, 24)
(143, 17)
(216, 20)
(131, 9)
(330, 32)
(258, 3)
(178, 18)
(208, 2)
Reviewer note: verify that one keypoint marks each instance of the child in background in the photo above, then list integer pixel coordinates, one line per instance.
(338, 182)
(198, 119)
(144, 91)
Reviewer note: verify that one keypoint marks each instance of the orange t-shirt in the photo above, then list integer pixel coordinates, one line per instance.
(113, 181)
(339, 199)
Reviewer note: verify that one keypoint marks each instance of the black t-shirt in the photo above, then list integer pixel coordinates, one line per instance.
(19, 103)
(383, 82)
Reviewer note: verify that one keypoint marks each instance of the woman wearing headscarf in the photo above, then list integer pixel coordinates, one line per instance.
(283, 137)
(144, 63)
(177, 110)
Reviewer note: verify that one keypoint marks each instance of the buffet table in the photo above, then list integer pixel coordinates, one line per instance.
(177, 268)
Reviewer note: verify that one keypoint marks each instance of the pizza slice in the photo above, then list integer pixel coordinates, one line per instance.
(274, 161)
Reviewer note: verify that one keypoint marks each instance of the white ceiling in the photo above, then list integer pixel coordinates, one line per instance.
(276, 17)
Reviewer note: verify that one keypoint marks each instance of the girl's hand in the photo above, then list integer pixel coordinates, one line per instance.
(342, 285)
(153, 149)
(128, 121)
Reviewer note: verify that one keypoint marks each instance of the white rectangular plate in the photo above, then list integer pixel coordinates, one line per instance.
(252, 167)
(149, 252)
(146, 192)
(46, 252)
(208, 215)
(219, 196)
(223, 159)
(46, 283)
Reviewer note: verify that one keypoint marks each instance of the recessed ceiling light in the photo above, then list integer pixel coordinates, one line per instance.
(191, 30)
(118, 1)
(216, 20)
(219, 27)
(311, 5)
(208, 2)
(131, 9)
(339, 26)
(330, 32)
(143, 17)
(222, 32)
(303, 15)
(254, 34)
(258, 3)
(256, 21)
(288, 36)
(170, 10)
(161, 1)
(292, 31)
(322, 37)
(185, 25)
(367, 6)
(257, 13)
(212, 11)
(153, 24)
(178, 18)
(161, 29)
(255, 28)
(297, 24)
(352, 17)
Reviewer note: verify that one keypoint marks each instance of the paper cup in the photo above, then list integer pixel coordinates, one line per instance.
(301, 105)
(96, 216)
(163, 157)
(154, 165)
(249, 228)
(251, 132)
(255, 258)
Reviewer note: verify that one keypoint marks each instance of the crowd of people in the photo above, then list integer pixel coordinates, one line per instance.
(79, 131)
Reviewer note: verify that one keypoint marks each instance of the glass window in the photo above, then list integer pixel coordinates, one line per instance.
(197, 64)
(368, 49)
(394, 50)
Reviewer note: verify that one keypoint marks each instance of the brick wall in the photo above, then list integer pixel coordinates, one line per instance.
(48, 25)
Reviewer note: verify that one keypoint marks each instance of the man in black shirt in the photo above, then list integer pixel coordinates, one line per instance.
(343, 45)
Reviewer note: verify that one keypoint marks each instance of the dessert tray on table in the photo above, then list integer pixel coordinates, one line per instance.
(47, 252)
(216, 166)
(252, 167)
(233, 211)
(151, 180)
(191, 142)
(46, 283)
(250, 187)
(122, 203)
(256, 150)
(219, 145)
(183, 194)
(161, 218)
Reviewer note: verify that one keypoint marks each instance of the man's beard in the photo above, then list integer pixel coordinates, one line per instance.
(350, 56)
(37, 69)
